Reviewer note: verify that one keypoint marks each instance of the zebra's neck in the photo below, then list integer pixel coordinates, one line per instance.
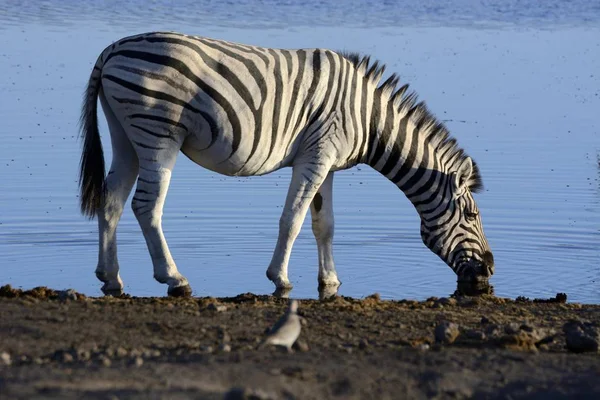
(409, 146)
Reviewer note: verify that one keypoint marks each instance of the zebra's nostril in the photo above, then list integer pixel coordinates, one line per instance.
(488, 260)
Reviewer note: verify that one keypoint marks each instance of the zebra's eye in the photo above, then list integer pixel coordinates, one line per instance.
(471, 215)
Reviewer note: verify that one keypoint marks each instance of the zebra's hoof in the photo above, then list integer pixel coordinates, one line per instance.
(283, 293)
(327, 292)
(180, 291)
(112, 291)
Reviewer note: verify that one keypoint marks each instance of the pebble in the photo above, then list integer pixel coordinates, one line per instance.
(448, 301)
(69, 294)
(104, 360)
(138, 361)
(301, 345)
(216, 307)
(582, 336)
(423, 346)
(5, 358)
(247, 394)
(363, 344)
(225, 348)
(446, 332)
(475, 334)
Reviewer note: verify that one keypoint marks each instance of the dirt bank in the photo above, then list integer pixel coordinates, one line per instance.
(65, 345)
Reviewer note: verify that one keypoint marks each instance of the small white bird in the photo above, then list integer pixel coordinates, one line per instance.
(285, 332)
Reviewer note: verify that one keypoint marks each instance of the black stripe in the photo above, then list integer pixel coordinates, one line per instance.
(316, 78)
(354, 117)
(365, 146)
(410, 159)
(185, 71)
(150, 93)
(145, 146)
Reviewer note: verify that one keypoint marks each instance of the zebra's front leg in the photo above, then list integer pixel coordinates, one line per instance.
(147, 204)
(306, 180)
(323, 228)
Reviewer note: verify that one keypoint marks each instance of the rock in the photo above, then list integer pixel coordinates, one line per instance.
(363, 344)
(121, 352)
(447, 301)
(582, 336)
(524, 337)
(247, 394)
(216, 307)
(512, 328)
(225, 337)
(83, 355)
(225, 348)
(63, 356)
(5, 358)
(423, 346)
(104, 360)
(474, 334)
(138, 361)
(493, 330)
(65, 295)
(207, 349)
(485, 320)
(446, 332)
(301, 345)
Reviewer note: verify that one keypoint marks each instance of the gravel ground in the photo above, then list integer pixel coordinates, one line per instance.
(64, 345)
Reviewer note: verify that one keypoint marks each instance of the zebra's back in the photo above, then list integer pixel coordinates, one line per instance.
(238, 109)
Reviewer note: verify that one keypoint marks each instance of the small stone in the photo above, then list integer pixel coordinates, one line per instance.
(83, 355)
(121, 352)
(447, 301)
(422, 346)
(363, 344)
(225, 348)
(65, 295)
(247, 394)
(104, 360)
(446, 332)
(216, 307)
(484, 320)
(301, 346)
(474, 334)
(512, 329)
(207, 349)
(493, 330)
(38, 361)
(582, 336)
(138, 361)
(5, 358)
(63, 356)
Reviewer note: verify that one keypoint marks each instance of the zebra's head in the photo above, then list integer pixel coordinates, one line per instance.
(453, 230)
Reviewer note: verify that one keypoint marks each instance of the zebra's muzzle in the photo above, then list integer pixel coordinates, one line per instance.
(476, 271)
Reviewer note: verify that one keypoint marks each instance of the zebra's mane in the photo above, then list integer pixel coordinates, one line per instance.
(406, 104)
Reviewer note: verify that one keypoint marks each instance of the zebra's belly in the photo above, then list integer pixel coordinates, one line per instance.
(217, 158)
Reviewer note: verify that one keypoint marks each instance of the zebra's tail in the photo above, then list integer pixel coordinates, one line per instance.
(91, 168)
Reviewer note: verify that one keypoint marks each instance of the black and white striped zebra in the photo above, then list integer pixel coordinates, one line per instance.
(243, 110)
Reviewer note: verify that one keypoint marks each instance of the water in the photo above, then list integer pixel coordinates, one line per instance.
(517, 83)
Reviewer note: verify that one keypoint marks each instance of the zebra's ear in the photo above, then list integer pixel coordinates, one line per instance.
(462, 176)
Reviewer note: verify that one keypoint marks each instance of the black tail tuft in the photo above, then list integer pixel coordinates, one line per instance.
(91, 168)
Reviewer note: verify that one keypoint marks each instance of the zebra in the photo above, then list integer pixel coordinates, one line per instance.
(243, 110)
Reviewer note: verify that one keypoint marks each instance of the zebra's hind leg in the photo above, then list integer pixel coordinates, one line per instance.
(118, 184)
(306, 180)
(323, 228)
(147, 204)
